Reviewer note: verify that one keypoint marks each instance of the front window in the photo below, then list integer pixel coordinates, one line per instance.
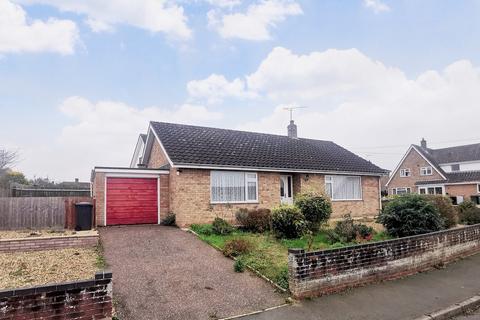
(426, 171)
(233, 186)
(343, 187)
(403, 190)
(405, 173)
(431, 190)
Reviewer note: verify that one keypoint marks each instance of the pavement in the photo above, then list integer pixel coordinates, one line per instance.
(166, 273)
(474, 315)
(406, 298)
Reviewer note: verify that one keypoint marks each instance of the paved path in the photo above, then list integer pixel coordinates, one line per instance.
(165, 273)
(406, 298)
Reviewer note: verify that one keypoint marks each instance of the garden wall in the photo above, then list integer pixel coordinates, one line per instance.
(322, 272)
(48, 243)
(82, 300)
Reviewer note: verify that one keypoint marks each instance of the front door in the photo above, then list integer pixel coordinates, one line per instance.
(286, 189)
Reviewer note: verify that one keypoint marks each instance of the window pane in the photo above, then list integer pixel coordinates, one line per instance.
(422, 190)
(252, 191)
(227, 186)
(346, 188)
(282, 188)
(438, 190)
(289, 186)
(328, 189)
(431, 190)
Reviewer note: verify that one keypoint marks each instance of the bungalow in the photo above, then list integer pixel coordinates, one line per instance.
(200, 173)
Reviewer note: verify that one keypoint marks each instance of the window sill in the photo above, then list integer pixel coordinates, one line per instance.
(237, 202)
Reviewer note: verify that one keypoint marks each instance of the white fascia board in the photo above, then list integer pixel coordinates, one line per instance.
(189, 166)
(131, 171)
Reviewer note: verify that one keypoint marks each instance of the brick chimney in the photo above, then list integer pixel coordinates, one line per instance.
(292, 130)
(423, 143)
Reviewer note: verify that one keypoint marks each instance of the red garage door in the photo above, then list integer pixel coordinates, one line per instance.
(132, 200)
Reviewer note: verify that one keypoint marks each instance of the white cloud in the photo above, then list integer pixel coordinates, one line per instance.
(20, 34)
(152, 15)
(224, 3)
(376, 5)
(100, 133)
(215, 88)
(256, 22)
(362, 103)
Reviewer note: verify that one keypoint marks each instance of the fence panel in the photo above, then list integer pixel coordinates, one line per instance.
(35, 212)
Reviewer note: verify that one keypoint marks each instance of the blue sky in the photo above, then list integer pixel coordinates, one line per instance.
(375, 75)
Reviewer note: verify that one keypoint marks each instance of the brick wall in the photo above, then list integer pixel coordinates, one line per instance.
(190, 196)
(414, 162)
(369, 206)
(322, 272)
(47, 243)
(82, 300)
(465, 190)
(157, 156)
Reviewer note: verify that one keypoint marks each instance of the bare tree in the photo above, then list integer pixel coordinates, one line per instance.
(7, 159)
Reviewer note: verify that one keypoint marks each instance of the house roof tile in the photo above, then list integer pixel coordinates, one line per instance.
(205, 146)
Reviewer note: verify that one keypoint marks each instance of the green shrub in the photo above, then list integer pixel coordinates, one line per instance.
(315, 208)
(409, 215)
(446, 209)
(469, 213)
(347, 230)
(204, 229)
(254, 220)
(236, 247)
(239, 266)
(288, 222)
(221, 227)
(169, 220)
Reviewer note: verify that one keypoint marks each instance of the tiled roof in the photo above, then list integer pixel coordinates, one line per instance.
(455, 177)
(204, 146)
(469, 152)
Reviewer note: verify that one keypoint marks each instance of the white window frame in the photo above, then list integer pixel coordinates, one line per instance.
(422, 169)
(408, 190)
(330, 179)
(247, 179)
(403, 172)
(426, 187)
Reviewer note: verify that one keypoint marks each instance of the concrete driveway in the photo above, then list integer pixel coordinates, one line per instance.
(165, 273)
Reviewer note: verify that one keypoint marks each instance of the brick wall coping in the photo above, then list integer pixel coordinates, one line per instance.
(80, 234)
(99, 278)
(299, 251)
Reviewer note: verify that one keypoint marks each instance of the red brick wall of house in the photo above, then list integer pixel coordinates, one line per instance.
(157, 156)
(414, 162)
(465, 190)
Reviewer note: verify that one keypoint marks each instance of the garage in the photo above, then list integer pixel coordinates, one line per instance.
(125, 196)
(132, 200)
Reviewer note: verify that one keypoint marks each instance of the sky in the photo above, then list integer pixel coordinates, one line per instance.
(79, 80)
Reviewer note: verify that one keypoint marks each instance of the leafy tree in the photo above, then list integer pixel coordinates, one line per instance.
(315, 207)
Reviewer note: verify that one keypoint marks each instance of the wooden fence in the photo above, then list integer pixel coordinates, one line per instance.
(38, 213)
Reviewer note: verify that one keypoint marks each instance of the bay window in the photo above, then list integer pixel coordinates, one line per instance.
(343, 187)
(233, 186)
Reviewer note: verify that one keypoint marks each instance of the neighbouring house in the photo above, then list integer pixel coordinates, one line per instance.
(453, 172)
(200, 173)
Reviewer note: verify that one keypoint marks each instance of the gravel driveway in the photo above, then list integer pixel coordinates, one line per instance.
(166, 273)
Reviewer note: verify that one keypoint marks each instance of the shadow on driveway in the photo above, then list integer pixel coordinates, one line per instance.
(166, 273)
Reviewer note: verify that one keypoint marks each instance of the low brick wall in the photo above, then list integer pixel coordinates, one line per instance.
(47, 243)
(322, 272)
(81, 300)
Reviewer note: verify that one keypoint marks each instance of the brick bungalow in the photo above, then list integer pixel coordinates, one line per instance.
(200, 173)
(453, 172)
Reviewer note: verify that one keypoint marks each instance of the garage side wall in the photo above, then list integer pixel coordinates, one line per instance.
(99, 196)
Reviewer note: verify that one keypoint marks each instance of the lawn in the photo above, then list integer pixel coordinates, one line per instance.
(269, 255)
(21, 269)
